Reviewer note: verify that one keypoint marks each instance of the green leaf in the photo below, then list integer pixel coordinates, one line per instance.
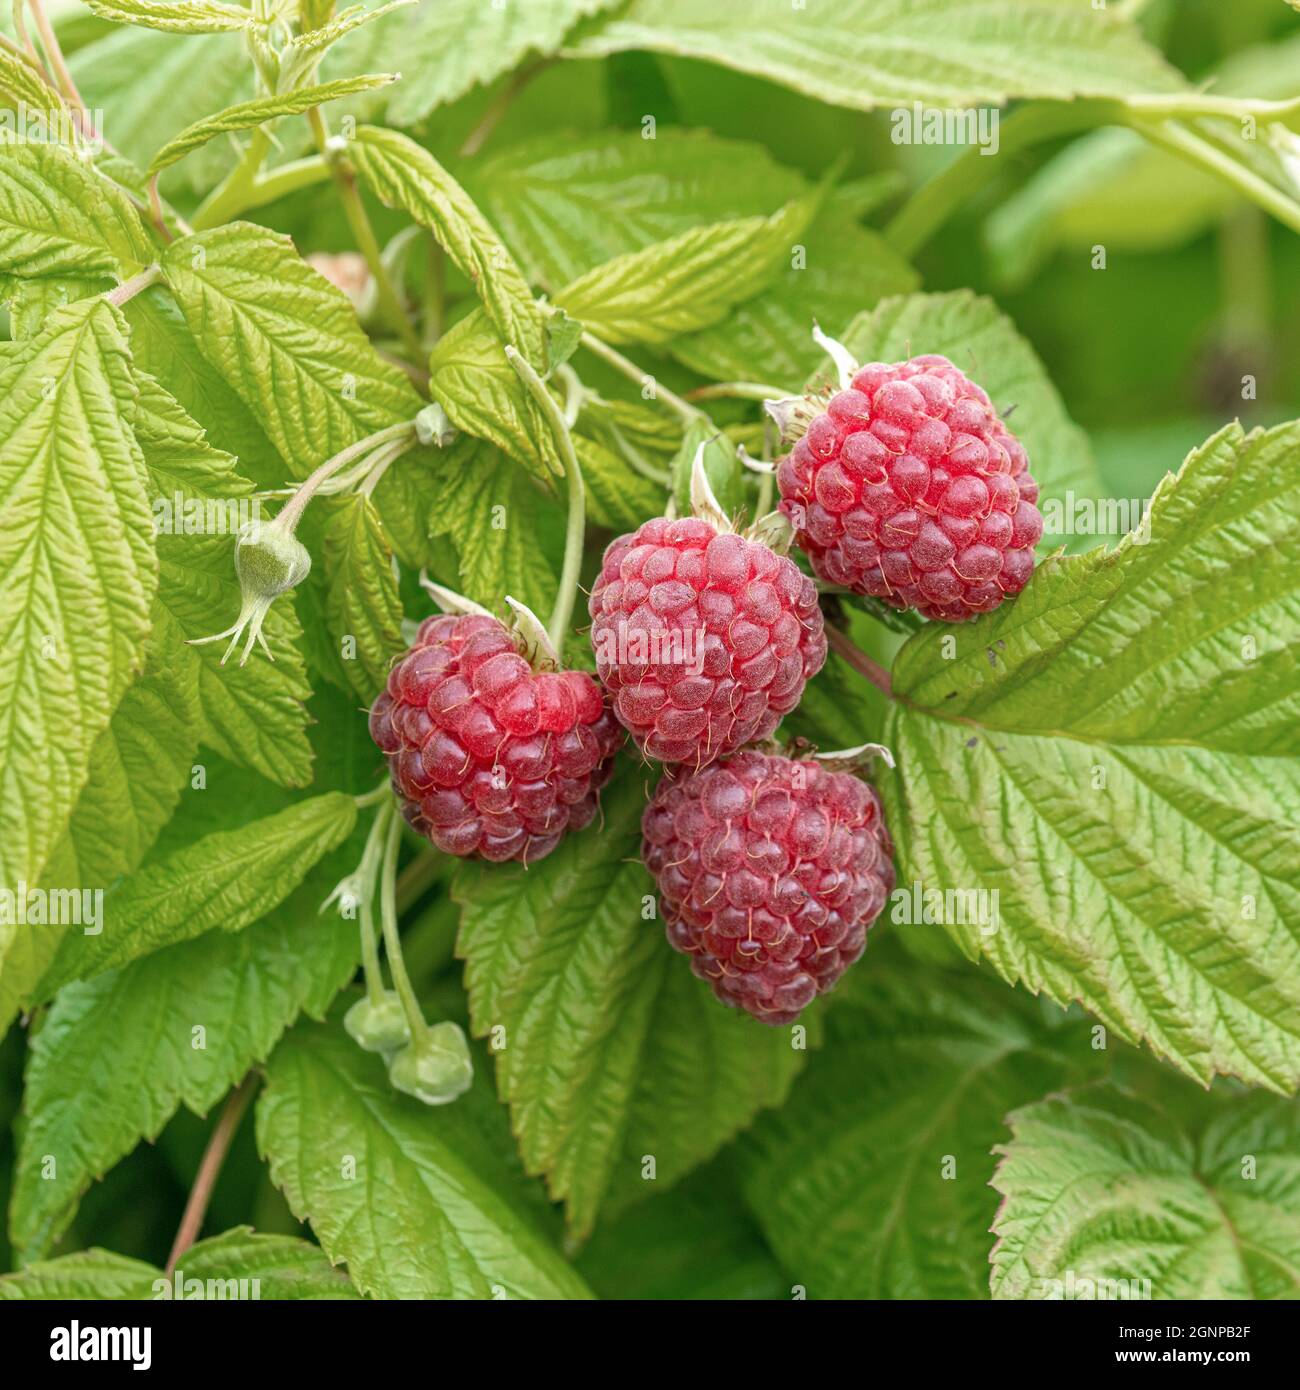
(872, 1182)
(404, 175)
(720, 465)
(60, 218)
(769, 338)
(235, 1264)
(1114, 752)
(224, 881)
(870, 53)
(162, 345)
(21, 85)
(418, 1205)
(249, 114)
(88, 1274)
(280, 1267)
(175, 16)
(567, 204)
(240, 990)
(698, 1241)
(31, 302)
(563, 335)
(982, 341)
(505, 530)
(688, 282)
(1113, 188)
(610, 1049)
(253, 714)
(77, 570)
(286, 340)
(1098, 1186)
(144, 82)
(137, 769)
(473, 381)
(317, 37)
(462, 43)
(617, 497)
(362, 601)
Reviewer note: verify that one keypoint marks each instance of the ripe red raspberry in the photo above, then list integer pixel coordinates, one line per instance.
(490, 758)
(704, 639)
(770, 871)
(909, 488)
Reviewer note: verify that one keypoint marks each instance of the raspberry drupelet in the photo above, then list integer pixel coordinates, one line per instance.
(908, 487)
(703, 638)
(770, 870)
(489, 757)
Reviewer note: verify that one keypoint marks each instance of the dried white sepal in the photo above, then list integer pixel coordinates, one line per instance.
(704, 504)
(531, 637)
(792, 415)
(864, 752)
(448, 600)
(838, 353)
(774, 531)
(347, 892)
(747, 460)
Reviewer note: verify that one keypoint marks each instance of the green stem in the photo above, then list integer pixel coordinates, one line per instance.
(54, 56)
(373, 798)
(288, 178)
(737, 390)
(1191, 104)
(417, 878)
(637, 460)
(390, 306)
(371, 969)
(392, 939)
(128, 289)
(24, 38)
(230, 196)
(937, 199)
(864, 665)
(576, 527)
(499, 105)
(435, 278)
(1211, 158)
(297, 504)
(626, 367)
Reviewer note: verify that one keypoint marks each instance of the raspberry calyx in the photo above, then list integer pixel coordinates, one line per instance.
(436, 1068)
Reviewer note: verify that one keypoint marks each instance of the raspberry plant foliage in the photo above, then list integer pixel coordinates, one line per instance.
(557, 267)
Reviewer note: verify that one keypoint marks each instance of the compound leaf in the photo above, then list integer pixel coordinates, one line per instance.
(1106, 1196)
(1115, 753)
(611, 1050)
(871, 53)
(417, 1203)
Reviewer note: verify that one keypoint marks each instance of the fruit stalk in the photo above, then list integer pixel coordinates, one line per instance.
(576, 525)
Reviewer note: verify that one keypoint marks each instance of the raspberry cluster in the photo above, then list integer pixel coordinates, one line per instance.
(908, 487)
(488, 757)
(770, 871)
(703, 639)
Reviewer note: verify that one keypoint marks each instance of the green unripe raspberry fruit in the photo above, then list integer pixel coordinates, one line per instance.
(380, 1027)
(435, 1070)
(269, 560)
